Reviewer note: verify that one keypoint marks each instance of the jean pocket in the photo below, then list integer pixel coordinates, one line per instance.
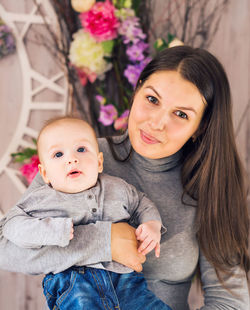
(55, 285)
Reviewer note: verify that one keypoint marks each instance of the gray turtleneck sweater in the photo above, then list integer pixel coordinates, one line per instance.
(169, 277)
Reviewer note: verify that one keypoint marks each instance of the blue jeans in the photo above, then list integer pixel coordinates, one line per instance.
(89, 289)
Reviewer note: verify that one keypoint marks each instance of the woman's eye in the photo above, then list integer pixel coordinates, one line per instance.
(81, 149)
(152, 99)
(181, 114)
(58, 154)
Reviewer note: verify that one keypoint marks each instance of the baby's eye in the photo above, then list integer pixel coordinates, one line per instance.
(181, 114)
(81, 149)
(58, 154)
(152, 99)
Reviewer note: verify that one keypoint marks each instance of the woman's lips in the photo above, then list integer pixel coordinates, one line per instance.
(148, 138)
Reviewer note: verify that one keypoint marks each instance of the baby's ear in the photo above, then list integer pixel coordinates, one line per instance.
(43, 173)
(100, 162)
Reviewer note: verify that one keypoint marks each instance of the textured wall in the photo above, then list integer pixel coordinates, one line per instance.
(232, 46)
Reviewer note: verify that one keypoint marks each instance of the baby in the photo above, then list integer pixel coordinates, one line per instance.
(77, 193)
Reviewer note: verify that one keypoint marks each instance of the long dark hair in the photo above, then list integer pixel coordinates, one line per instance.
(212, 172)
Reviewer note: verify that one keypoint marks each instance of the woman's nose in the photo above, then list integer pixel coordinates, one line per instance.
(159, 120)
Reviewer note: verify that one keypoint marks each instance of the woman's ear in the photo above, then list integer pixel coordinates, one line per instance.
(43, 173)
(100, 162)
(197, 133)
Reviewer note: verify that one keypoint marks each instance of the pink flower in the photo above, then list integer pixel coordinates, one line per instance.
(122, 121)
(85, 74)
(108, 114)
(30, 170)
(101, 21)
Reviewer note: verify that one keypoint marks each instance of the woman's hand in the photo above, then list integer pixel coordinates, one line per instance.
(124, 246)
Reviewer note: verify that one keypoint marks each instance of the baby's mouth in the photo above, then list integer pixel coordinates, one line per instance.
(74, 173)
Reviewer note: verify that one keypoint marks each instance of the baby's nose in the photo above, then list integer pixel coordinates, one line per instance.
(73, 160)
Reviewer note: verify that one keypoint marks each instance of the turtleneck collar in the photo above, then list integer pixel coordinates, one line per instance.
(154, 165)
(157, 165)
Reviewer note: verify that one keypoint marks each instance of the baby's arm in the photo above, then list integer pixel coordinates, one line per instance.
(27, 231)
(145, 214)
(149, 234)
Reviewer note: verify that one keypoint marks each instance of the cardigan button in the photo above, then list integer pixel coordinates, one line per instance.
(94, 210)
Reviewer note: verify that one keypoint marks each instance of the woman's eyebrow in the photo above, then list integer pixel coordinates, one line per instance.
(181, 108)
(187, 109)
(153, 89)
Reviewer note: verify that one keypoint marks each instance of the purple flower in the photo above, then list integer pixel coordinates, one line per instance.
(131, 31)
(108, 114)
(135, 51)
(7, 41)
(132, 73)
(100, 99)
(144, 62)
(10, 42)
(4, 29)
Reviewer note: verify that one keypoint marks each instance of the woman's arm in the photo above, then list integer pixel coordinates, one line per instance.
(124, 246)
(218, 297)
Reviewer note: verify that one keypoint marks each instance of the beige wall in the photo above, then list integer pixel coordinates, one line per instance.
(232, 46)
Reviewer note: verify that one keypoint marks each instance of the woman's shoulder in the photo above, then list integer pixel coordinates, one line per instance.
(103, 144)
(116, 140)
(119, 145)
(115, 149)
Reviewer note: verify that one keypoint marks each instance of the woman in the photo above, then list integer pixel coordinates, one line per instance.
(179, 150)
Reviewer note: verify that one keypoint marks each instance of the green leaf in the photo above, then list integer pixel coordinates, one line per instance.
(125, 99)
(29, 152)
(24, 155)
(170, 37)
(136, 5)
(20, 159)
(108, 46)
(160, 44)
(108, 59)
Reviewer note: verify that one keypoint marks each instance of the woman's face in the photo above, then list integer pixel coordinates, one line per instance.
(166, 112)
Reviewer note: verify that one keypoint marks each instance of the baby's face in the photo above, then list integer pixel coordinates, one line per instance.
(70, 160)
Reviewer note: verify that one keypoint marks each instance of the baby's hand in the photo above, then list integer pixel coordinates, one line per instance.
(149, 234)
(71, 232)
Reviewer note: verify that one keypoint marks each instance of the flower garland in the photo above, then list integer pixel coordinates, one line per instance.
(106, 29)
